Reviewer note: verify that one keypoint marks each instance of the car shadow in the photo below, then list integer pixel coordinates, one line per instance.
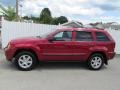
(63, 65)
(5, 65)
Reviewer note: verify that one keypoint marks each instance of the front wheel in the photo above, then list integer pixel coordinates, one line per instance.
(96, 62)
(25, 61)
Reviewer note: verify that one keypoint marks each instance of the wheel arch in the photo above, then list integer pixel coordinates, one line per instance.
(102, 53)
(28, 50)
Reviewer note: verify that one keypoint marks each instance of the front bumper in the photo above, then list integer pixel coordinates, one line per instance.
(9, 53)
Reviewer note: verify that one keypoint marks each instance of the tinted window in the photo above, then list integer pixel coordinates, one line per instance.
(66, 36)
(101, 37)
(84, 36)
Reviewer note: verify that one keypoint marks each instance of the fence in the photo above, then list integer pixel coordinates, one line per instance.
(12, 30)
(116, 36)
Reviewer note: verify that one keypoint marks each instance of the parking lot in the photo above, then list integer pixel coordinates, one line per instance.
(60, 76)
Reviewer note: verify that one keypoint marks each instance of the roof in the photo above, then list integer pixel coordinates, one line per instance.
(112, 25)
(73, 24)
(81, 29)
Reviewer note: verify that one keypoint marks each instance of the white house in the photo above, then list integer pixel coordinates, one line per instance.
(73, 24)
(108, 26)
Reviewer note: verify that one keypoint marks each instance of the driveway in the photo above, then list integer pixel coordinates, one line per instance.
(60, 76)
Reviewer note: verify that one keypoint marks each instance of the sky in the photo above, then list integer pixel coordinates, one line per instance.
(85, 11)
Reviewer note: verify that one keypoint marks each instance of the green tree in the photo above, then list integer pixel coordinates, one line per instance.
(9, 13)
(45, 16)
(26, 18)
(35, 19)
(55, 21)
(62, 19)
(59, 20)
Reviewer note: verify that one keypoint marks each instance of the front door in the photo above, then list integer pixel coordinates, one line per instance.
(60, 47)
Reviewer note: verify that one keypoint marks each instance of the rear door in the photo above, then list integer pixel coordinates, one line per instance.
(82, 44)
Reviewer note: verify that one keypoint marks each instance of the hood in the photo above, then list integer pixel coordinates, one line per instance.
(27, 40)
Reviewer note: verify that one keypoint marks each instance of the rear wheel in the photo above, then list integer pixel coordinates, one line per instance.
(96, 62)
(25, 61)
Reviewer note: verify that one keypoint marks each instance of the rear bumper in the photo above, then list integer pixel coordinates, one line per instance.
(111, 55)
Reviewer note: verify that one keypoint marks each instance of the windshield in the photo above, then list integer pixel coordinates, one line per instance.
(45, 35)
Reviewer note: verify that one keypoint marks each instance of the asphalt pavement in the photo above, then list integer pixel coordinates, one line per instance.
(60, 76)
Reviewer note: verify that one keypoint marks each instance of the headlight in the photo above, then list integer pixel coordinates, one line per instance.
(8, 46)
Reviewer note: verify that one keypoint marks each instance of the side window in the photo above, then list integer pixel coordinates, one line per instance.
(84, 36)
(101, 37)
(63, 36)
(58, 35)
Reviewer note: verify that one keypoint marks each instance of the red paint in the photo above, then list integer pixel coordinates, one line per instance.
(62, 50)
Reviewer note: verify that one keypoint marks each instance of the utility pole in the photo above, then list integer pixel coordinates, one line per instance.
(17, 17)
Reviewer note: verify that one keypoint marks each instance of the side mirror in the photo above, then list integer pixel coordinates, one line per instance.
(51, 39)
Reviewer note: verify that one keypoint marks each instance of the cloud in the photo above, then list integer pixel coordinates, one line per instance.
(61, 7)
(80, 10)
(32, 7)
(107, 7)
(84, 10)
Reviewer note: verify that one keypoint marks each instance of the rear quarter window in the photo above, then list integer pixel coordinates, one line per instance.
(100, 36)
(83, 36)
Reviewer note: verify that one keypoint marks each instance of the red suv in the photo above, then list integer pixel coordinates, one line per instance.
(93, 46)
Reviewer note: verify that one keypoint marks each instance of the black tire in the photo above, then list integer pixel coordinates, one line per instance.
(33, 61)
(95, 65)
